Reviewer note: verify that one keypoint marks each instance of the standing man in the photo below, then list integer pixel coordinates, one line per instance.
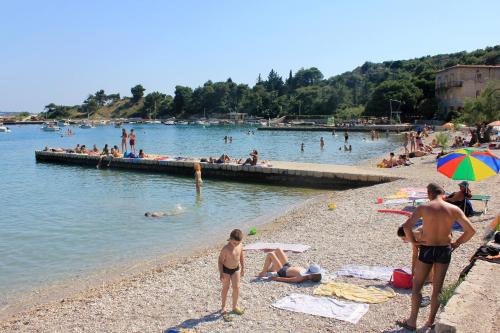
(346, 136)
(435, 248)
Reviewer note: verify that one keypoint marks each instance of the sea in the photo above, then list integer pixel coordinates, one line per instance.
(61, 222)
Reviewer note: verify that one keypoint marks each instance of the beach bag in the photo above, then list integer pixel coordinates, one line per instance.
(401, 280)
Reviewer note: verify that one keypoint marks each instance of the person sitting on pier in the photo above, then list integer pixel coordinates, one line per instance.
(223, 159)
(277, 268)
(105, 150)
(141, 154)
(84, 150)
(115, 151)
(253, 160)
(95, 149)
(77, 149)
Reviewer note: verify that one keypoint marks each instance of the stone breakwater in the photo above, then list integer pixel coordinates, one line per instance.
(280, 173)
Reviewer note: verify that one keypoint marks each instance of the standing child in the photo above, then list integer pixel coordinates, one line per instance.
(231, 267)
(132, 141)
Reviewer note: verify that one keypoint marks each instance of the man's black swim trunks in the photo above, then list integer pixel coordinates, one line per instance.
(230, 271)
(435, 254)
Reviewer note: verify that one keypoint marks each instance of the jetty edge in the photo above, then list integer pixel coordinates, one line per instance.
(310, 175)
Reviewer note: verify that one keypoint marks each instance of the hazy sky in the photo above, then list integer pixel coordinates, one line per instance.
(60, 51)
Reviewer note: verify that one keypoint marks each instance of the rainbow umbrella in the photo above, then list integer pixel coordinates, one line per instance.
(469, 164)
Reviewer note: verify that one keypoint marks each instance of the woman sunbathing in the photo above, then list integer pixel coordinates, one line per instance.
(277, 268)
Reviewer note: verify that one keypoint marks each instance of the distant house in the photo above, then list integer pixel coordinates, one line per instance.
(454, 84)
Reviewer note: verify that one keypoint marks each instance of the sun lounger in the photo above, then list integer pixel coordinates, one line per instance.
(484, 198)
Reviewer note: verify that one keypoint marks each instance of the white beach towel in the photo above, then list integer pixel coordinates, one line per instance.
(368, 272)
(396, 201)
(274, 246)
(323, 306)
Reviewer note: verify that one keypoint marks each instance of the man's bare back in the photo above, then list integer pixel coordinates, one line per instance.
(439, 217)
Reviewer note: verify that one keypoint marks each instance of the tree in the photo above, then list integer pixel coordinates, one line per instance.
(274, 81)
(137, 93)
(90, 105)
(182, 100)
(100, 97)
(307, 77)
(402, 90)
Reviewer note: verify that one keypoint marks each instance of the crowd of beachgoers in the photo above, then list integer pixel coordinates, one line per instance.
(128, 150)
(352, 238)
(414, 145)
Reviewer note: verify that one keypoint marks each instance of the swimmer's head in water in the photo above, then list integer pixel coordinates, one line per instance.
(148, 214)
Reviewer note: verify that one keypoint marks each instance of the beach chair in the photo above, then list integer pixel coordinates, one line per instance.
(484, 198)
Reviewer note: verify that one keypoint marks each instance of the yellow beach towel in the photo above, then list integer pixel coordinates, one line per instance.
(355, 293)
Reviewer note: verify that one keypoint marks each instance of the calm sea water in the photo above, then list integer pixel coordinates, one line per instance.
(58, 222)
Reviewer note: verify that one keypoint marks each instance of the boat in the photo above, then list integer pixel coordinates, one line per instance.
(155, 122)
(169, 122)
(62, 123)
(201, 122)
(214, 122)
(87, 126)
(4, 129)
(50, 127)
(183, 123)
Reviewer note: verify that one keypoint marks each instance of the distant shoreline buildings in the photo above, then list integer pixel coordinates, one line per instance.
(455, 83)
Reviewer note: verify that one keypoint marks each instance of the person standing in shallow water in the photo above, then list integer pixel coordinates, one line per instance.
(197, 177)
(124, 140)
(321, 143)
(132, 141)
(302, 147)
(346, 136)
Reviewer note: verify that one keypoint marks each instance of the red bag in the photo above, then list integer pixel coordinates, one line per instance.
(400, 279)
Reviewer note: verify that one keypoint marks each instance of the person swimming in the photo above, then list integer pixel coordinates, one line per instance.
(176, 211)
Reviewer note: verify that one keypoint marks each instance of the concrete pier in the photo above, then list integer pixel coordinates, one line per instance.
(380, 128)
(324, 176)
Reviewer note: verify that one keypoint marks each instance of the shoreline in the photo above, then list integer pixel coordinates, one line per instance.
(75, 286)
(332, 245)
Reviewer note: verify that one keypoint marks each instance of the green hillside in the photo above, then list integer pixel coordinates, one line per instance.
(365, 90)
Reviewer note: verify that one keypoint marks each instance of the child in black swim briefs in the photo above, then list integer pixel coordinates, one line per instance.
(231, 268)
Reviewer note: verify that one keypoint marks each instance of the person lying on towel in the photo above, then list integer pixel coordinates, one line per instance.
(277, 268)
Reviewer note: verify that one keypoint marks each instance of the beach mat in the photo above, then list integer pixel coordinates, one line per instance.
(273, 246)
(355, 293)
(323, 306)
(366, 272)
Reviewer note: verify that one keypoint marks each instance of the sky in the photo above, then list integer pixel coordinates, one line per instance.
(61, 51)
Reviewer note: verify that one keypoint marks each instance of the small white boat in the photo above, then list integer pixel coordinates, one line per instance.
(201, 122)
(169, 122)
(49, 127)
(182, 123)
(62, 123)
(86, 126)
(4, 129)
(214, 122)
(155, 122)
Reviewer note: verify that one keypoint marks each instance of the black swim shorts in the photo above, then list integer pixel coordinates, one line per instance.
(282, 271)
(435, 254)
(230, 271)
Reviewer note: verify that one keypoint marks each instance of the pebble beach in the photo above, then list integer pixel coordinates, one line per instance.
(185, 292)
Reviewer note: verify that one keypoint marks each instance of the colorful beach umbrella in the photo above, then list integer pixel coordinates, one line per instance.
(469, 164)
